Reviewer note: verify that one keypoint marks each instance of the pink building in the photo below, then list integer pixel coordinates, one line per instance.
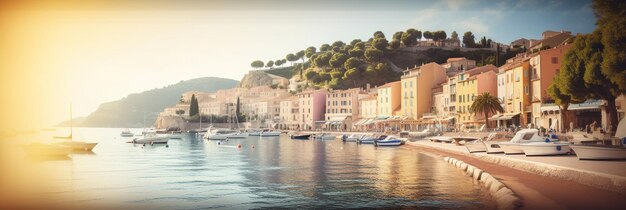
(312, 108)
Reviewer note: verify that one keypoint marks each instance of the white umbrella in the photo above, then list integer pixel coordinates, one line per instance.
(621, 129)
(554, 125)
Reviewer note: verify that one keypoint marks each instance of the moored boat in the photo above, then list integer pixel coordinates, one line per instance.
(389, 141)
(300, 136)
(324, 136)
(267, 133)
(546, 148)
(78, 145)
(126, 133)
(371, 139)
(599, 152)
(523, 136)
(352, 137)
(151, 139)
(475, 146)
(443, 139)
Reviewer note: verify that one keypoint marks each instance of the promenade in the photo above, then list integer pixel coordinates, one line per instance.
(549, 182)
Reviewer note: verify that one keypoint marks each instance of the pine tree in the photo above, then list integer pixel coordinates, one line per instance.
(193, 107)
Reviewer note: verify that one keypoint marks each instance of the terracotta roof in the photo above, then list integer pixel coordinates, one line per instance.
(481, 69)
(389, 84)
(456, 59)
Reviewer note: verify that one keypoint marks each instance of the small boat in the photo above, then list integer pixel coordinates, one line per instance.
(224, 134)
(475, 146)
(389, 141)
(254, 132)
(237, 135)
(546, 148)
(352, 138)
(267, 133)
(46, 150)
(371, 139)
(151, 139)
(175, 136)
(126, 133)
(443, 139)
(599, 152)
(521, 137)
(78, 145)
(324, 136)
(300, 136)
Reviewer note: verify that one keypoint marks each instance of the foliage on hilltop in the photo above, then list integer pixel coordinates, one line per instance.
(376, 61)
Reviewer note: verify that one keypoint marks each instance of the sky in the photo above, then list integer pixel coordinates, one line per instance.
(84, 53)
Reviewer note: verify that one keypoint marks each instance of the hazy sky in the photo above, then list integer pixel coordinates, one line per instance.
(65, 52)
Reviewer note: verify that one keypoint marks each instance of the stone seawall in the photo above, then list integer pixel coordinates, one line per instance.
(505, 197)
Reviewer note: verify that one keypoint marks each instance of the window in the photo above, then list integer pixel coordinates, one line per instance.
(555, 60)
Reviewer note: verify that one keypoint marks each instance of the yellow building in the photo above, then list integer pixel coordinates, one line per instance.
(470, 84)
(388, 99)
(514, 81)
(416, 89)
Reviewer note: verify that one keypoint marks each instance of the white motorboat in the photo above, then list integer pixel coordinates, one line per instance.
(237, 135)
(267, 133)
(151, 139)
(126, 133)
(325, 136)
(371, 139)
(599, 152)
(475, 146)
(254, 132)
(352, 138)
(461, 140)
(521, 137)
(46, 150)
(546, 148)
(389, 141)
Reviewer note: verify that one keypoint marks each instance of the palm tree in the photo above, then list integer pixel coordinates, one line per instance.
(486, 103)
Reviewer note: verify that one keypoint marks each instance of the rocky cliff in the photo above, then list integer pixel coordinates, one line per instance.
(260, 78)
(170, 122)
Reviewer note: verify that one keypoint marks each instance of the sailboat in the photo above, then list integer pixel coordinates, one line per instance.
(75, 145)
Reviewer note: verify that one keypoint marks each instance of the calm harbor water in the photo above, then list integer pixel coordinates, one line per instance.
(278, 172)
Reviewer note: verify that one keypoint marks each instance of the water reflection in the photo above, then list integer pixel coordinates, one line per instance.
(276, 172)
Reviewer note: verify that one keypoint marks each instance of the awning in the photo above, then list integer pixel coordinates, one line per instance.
(336, 120)
(447, 118)
(360, 122)
(508, 116)
(369, 122)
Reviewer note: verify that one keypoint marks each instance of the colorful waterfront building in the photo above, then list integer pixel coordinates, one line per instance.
(545, 66)
(312, 105)
(342, 108)
(290, 113)
(514, 91)
(470, 84)
(416, 89)
(368, 111)
(388, 99)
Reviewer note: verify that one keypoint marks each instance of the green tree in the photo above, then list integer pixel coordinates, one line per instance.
(338, 44)
(310, 51)
(324, 47)
(257, 64)
(395, 44)
(356, 52)
(410, 37)
(468, 39)
(269, 64)
(611, 22)
(323, 59)
(354, 41)
(180, 112)
(486, 103)
(380, 43)
(238, 109)
(300, 55)
(374, 55)
(454, 35)
(428, 35)
(278, 62)
(291, 58)
(337, 60)
(483, 42)
(379, 35)
(398, 36)
(359, 45)
(193, 106)
(352, 63)
(582, 77)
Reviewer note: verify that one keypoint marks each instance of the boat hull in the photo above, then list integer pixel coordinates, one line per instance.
(155, 140)
(269, 134)
(492, 147)
(127, 134)
(599, 153)
(79, 146)
(545, 149)
(511, 148)
(473, 147)
(388, 143)
(301, 137)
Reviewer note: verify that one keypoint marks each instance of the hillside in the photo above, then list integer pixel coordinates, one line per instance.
(129, 111)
